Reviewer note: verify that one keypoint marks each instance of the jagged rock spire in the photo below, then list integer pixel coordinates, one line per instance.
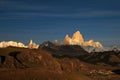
(77, 39)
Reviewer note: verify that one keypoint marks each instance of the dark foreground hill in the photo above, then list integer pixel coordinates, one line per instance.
(12, 57)
(68, 63)
(37, 64)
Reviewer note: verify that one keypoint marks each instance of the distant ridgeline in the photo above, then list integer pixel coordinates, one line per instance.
(31, 44)
(76, 39)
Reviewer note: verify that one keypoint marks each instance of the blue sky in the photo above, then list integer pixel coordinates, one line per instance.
(43, 20)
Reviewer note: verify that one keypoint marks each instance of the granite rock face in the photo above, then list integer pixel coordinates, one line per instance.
(77, 39)
(11, 43)
(31, 45)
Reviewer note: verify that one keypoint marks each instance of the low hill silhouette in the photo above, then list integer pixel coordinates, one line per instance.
(60, 51)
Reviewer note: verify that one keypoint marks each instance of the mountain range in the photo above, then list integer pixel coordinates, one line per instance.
(77, 39)
(31, 44)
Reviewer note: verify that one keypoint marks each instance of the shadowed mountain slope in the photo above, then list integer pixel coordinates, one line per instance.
(63, 50)
(107, 57)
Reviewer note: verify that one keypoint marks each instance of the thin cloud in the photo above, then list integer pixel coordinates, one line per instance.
(84, 14)
(20, 9)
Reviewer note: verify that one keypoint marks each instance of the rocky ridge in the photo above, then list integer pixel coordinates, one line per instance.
(31, 44)
(77, 39)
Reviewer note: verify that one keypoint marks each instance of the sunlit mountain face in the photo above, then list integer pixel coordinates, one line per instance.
(31, 44)
(77, 39)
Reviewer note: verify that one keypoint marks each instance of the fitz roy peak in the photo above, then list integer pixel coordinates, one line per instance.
(77, 39)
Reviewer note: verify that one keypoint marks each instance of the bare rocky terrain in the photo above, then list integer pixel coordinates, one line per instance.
(58, 63)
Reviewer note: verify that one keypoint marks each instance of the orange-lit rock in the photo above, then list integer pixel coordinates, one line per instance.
(32, 45)
(77, 39)
(11, 43)
(67, 39)
(92, 43)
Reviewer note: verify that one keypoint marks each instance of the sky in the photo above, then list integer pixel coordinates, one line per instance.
(48, 20)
